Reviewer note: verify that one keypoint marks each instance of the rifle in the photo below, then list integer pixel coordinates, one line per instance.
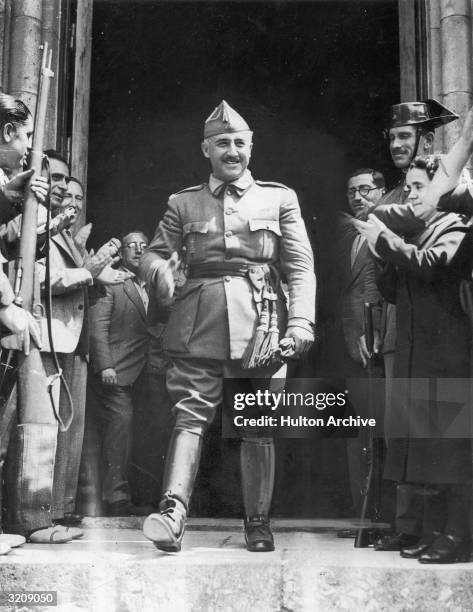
(34, 402)
(372, 489)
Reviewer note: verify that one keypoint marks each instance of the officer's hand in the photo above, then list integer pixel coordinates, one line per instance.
(165, 277)
(303, 340)
(22, 323)
(110, 276)
(109, 377)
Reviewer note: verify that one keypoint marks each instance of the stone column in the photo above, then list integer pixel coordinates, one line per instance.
(80, 117)
(51, 33)
(456, 41)
(434, 62)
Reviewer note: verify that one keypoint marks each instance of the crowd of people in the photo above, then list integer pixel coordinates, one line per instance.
(178, 323)
(413, 246)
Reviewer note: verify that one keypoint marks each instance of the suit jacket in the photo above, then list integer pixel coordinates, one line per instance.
(396, 196)
(216, 317)
(358, 285)
(69, 281)
(119, 335)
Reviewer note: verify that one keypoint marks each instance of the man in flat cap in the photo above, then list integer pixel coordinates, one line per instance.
(411, 132)
(236, 236)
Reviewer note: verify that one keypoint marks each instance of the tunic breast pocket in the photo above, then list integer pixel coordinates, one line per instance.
(265, 234)
(194, 235)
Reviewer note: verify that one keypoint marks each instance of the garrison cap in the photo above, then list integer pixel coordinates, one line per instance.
(224, 119)
(429, 114)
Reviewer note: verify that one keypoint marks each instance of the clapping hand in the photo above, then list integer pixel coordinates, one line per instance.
(105, 256)
(14, 190)
(111, 276)
(370, 230)
(23, 325)
(81, 237)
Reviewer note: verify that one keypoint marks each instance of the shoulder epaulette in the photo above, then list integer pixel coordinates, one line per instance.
(193, 188)
(271, 184)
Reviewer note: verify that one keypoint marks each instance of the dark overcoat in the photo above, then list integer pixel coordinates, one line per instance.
(430, 414)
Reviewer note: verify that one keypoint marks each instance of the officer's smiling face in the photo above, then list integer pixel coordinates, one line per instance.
(402, 144)
(229, 154)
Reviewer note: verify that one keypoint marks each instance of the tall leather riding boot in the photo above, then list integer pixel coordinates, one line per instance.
(29, 477)
(258, 460)
(182, 463)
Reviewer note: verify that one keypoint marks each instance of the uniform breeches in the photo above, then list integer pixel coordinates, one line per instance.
(196, 389)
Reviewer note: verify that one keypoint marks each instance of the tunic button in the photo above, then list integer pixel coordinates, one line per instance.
(229, 233)
(229, 192)
(229, 211)
(227, 279)
(81, 307)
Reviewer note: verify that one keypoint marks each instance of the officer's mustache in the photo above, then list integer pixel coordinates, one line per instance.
(229, 158)
(399, 151)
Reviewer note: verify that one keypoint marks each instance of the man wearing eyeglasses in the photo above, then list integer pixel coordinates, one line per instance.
(365, 187)
(119, 343)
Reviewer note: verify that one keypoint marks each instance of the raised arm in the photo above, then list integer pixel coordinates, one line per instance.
(451, 165)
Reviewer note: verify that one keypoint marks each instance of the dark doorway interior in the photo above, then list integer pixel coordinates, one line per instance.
(313, 79)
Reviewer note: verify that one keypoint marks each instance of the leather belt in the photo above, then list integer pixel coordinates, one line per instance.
(216, 269)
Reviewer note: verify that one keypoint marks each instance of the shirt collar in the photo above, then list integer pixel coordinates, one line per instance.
(242, 183)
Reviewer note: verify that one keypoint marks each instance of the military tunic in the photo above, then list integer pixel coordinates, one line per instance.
(217, 316)
(214, 319)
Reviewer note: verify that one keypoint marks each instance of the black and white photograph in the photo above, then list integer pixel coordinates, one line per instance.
(236, 305)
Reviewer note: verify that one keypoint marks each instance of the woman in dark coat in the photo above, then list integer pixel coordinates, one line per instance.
(432, 352)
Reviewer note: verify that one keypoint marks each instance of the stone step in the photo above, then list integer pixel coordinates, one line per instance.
(115, 569)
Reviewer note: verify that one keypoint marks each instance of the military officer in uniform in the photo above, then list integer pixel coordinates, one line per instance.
(236, 235)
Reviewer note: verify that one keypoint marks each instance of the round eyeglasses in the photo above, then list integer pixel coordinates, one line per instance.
(363, 190)
(135, 245)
